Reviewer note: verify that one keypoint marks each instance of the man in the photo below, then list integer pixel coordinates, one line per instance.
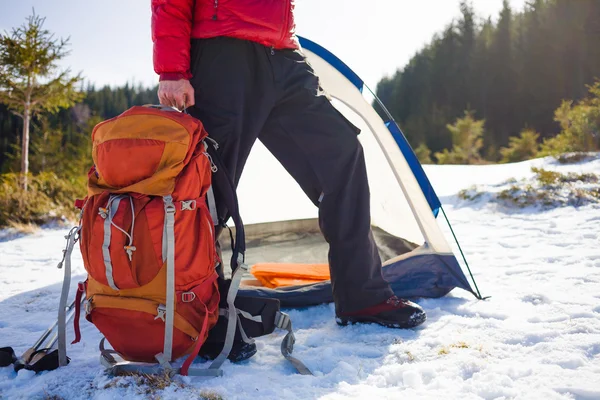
(237, 66)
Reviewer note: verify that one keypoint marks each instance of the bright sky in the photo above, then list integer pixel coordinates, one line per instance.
(111, 44)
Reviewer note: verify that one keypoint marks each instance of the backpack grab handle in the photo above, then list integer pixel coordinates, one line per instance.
(160, 107)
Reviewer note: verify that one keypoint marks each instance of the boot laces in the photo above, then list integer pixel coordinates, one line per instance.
(395, 301)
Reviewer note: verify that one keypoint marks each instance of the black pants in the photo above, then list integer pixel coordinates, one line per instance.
(245, 91)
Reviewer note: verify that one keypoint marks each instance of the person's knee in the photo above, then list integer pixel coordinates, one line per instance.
(349, 167)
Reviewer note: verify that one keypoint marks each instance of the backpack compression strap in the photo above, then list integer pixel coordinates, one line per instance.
(72, 238)
(164, 358)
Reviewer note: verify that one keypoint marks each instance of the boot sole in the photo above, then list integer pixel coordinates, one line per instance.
(414, 321)
(243, 355)
(235, 356)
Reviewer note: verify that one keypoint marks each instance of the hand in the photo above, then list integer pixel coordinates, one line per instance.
(178, 94)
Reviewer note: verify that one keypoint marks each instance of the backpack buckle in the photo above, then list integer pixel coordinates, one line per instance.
(169, 206)
(188, 297)
(103, 212)
(188, 205)
(161, 312)
(87, 307)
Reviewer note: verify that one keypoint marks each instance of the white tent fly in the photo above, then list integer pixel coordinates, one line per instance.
(281, 222)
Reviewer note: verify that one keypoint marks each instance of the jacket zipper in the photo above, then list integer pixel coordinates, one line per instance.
(216, 6)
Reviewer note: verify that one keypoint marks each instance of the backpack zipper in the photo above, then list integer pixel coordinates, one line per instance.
(213, 166)
(216, 6)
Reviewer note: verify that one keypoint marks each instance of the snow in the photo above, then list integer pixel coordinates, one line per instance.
(538, 336)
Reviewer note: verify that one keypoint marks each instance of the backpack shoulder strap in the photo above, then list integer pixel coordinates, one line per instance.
(225, 192)
(224, 189)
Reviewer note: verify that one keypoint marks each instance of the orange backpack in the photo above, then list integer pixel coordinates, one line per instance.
(147, 236)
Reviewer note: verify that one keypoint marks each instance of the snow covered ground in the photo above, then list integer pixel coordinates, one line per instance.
(538, 336)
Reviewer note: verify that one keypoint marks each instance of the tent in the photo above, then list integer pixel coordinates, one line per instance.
(281, 223)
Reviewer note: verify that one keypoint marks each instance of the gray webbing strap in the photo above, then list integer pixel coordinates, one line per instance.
(113, 206)
(62, 305)
(165, 357)
(231, 317)
(116, 365)
(205, 372)
(124, 367)
(43, 341)
(106, 356)
(247, 315)
(212, 205)
(245, 337)
(283, 321)
(54, 338)
(164, 241)
(224, 312)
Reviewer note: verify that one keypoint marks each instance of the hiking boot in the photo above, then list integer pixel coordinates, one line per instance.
(392, 313)
(240, 351)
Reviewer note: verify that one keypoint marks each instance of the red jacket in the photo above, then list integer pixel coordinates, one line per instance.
(175, 22)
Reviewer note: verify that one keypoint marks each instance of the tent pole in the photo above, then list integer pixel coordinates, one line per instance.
(463, 255)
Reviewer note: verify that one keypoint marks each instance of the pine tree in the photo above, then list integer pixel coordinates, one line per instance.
(466, 52)
(521, 148)
(502, 76)
(467, 133)
(30, 81)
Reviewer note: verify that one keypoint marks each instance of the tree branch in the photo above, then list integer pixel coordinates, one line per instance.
(17, 114)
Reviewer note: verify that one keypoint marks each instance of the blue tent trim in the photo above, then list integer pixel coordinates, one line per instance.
(333, 60)
(411, 158)
(416, 167)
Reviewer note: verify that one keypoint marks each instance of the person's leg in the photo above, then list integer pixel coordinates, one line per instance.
(320, 149)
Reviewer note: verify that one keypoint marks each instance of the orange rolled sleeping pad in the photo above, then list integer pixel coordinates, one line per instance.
(274, 275)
